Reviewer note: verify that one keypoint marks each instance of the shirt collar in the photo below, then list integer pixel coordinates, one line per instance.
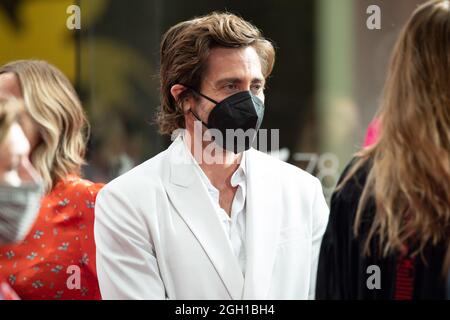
(238, 177)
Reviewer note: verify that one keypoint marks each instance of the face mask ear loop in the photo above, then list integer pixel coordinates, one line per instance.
(200, 94)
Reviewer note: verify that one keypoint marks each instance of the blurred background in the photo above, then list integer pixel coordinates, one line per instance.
(323, 93)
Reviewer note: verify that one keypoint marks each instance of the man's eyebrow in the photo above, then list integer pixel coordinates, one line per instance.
(226, 80)
(221, 82)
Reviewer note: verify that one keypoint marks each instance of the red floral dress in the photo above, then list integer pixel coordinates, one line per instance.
(57, 258)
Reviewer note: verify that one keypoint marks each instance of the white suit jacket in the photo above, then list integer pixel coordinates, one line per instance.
(159, 237)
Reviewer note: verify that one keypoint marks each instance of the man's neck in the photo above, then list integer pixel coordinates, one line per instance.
(220, 171)
(220, 174)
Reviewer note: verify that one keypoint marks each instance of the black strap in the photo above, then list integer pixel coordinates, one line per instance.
(200, 94)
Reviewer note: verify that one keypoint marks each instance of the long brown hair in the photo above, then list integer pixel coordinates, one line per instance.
(409, 176)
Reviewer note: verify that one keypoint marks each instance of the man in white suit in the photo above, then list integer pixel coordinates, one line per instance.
(210, 217)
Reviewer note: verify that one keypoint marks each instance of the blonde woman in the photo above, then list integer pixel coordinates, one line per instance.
(57, 258)
(389, 228)
(20, 189)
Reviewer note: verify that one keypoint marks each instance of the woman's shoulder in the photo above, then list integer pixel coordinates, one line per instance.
(73, 196)
(353, 179)
(346, 198)
(76, 186)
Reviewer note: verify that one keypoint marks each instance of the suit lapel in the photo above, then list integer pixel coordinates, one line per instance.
(190, 198)
(263, 222)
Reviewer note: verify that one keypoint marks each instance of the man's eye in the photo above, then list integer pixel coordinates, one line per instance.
(231, 87)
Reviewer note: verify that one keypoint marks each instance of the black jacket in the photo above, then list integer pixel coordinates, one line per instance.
(342, 271)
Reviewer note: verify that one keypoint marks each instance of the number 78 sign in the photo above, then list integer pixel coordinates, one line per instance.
(327, 167)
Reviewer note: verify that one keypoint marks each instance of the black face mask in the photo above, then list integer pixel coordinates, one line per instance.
(242, 111)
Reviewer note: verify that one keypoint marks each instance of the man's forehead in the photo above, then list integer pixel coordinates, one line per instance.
(244, 78)
(234, 63)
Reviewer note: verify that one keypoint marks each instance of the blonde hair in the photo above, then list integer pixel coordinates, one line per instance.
(54, 106)
(409, 178)
(184, 51)
(9, 110)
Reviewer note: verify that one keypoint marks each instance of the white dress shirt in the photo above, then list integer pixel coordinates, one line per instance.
(234, 225)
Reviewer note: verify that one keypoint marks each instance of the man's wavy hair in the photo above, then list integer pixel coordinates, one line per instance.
(184, 51)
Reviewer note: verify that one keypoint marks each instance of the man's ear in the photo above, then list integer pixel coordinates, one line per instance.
(176, 92)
